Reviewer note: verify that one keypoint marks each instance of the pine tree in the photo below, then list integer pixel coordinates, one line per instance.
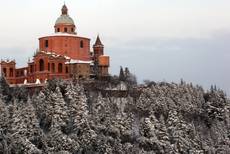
(59, 141)
(100, 109)
(77, 105)
(5, 92)
(58, 109)
(25, 129)
(212, 89)
(3, 115)
(121, 75)
(4, 119)
(129, 77)
(25, 121)
(43, 109)
(127, 73)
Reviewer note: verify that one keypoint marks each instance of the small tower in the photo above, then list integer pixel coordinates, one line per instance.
(8, 70)
(101, 61)
(98, 48)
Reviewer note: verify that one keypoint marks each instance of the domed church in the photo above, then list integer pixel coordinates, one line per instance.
(63, 55)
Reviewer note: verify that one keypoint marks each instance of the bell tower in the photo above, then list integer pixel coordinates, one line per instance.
(101, 61)
(98, 48)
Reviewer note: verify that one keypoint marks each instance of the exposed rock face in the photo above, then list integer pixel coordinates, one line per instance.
(165, 118)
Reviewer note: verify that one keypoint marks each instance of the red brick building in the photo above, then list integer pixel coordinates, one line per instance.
(63, 55)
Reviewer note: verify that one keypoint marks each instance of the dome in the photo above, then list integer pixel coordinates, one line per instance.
(64, 19)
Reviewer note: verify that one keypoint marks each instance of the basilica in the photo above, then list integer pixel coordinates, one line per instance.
(63, 55)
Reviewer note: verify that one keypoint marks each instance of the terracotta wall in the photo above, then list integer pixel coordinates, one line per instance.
(9, 68)
(104, 61)
(98, 51)
(67, 45)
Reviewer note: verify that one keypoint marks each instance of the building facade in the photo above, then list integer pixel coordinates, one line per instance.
(63, 55)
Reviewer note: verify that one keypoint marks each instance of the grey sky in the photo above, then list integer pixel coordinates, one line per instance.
(158, 40)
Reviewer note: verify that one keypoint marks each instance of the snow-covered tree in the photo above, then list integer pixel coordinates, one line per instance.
(77, 105)
(4, 89)
(66, 118)
(58, 109)
(3, 115)
(25, 129)
(122, 74)
(57, 141)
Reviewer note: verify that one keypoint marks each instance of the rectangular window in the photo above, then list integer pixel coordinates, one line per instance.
(11, 72)
(81, 44)
(53, 67)
(46, 43)
(31, 69)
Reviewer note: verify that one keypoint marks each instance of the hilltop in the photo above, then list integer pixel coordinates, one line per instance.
(115, 117)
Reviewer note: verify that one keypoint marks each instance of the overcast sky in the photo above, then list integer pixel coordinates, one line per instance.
(157, 39)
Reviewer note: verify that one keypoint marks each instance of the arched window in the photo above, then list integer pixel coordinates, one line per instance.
(81, 44)
(31, 68)
(60, 68)
(53, 67)
(11, 72)
(46, 43)
(58, 29)
(41, 65)
(65, 29)
(72, 29)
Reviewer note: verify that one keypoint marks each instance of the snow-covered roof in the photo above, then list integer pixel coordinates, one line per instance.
(7, 61)
(68, 59)
(104, 56)
(74, 61)
(64, 34)
(53, 54)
